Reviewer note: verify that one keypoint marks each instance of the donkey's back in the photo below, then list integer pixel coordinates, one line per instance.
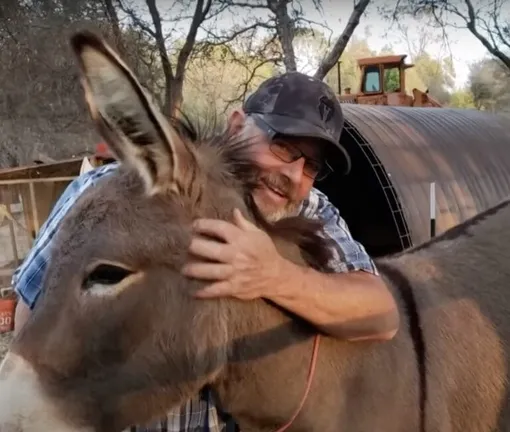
(456, 295)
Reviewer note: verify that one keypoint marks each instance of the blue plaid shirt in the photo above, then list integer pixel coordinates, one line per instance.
(198, 414)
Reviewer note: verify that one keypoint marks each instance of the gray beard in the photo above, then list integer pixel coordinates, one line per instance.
(276, 215)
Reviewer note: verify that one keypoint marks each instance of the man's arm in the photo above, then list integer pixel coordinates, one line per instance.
(350, 306)
(353, 303)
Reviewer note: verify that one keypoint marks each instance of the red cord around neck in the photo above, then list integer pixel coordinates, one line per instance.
(309, 381)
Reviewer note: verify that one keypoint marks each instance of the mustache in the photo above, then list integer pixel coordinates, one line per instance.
(279, 182)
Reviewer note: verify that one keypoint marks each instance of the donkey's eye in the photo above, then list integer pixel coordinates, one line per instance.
(106, 275)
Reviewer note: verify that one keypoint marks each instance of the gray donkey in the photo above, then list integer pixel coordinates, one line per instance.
(117, 338)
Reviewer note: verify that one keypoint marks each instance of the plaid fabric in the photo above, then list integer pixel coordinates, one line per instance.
(197, 414)
(348, 254)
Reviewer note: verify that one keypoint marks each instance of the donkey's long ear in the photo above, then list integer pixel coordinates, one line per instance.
(135, 129)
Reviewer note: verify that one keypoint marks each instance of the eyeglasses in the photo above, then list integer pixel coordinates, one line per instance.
(289, 153)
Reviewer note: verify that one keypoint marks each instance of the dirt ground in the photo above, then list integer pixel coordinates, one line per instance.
(5, 339)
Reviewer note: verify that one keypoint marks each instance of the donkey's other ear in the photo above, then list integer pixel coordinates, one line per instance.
(135, 129)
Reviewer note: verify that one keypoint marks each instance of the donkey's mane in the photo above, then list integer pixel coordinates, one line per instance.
(462, 229)
(235, 154)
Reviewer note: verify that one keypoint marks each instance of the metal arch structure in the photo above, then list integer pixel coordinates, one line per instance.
(398, 151)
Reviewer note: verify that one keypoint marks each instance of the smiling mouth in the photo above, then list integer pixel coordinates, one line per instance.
(276, 191)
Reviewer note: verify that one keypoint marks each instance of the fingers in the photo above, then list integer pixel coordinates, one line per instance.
(220, 229)
(242, 222)
(211, 250)
(219, 289)
(207, 271)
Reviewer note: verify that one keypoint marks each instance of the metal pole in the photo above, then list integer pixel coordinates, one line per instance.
(432, 209)
(338, 77)
(12, 232)
(35, 211)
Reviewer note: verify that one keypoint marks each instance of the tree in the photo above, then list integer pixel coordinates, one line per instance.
(218, 78)
(41, 104)
(487, 21)
(174, 74)
(437, 75)
(462, 99)
(338, 48)
(283, 21)
(310, 47)
(489, 83)
(349, 70)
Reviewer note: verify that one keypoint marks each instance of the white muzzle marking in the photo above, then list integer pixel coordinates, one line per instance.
(23, 405)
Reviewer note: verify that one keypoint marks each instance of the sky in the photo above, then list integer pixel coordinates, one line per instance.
(463, 47)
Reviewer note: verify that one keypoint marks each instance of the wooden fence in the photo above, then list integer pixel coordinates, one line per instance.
(27, 195)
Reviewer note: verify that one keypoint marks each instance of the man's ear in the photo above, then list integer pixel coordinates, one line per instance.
(236, 121)
(136, 131)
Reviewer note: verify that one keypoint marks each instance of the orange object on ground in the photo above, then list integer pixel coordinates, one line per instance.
(7, 308)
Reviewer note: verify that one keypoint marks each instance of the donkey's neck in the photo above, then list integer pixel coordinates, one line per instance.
(269, 358)
(263, 382)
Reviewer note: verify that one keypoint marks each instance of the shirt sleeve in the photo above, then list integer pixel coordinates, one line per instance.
(28, 278)
(348, 254)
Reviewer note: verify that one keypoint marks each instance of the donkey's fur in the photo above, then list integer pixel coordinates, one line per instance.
(117, 339)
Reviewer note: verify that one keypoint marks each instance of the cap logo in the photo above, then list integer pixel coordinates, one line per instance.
(268, 95)
(326, 109)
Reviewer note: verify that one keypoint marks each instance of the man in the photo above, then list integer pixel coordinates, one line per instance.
(295, 123)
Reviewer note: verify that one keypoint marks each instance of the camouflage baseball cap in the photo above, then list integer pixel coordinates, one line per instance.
(295, 104)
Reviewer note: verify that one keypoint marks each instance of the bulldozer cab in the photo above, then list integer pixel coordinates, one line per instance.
(382, 74)
(383, 82)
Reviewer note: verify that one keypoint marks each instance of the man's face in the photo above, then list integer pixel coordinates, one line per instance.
(289, 167)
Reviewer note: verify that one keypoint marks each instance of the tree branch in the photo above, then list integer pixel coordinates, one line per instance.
(285, 28)
(338, 48)
(201, 12)
(439, 9)
(137, 21)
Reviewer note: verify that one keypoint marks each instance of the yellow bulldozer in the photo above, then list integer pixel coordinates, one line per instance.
(383, 82)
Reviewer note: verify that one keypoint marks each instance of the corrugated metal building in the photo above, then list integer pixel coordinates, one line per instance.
(398, 151)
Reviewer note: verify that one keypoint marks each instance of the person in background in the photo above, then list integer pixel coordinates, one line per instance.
(101, 157)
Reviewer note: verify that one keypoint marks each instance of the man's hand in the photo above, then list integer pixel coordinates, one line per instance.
(245, 263)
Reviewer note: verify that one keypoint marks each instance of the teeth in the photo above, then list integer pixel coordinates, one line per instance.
(275, 190)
